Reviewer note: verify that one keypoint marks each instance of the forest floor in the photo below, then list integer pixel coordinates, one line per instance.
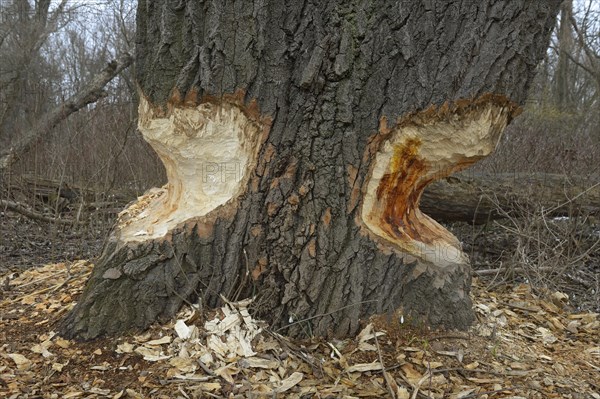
(526, 343)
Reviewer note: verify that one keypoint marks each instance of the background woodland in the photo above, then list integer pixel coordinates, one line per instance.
(78, 174)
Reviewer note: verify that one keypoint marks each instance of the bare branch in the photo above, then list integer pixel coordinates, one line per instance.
(89, 94)
(581, 39)
(19, 208)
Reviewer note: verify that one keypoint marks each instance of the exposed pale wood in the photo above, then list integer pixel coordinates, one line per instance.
(208, 151)
(423, 148)
(326, 75)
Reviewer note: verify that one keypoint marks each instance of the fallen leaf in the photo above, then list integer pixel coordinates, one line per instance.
(209, 386)
(58, 366)
(402, 393)
(63, 343)
(226, 372)
(133, 394)
(184, 365)
(21, 361)
(42, 349)
(547, 336)
(125, 347)
(164, 340)
(289, 382)
(412, 375)
(362, 367)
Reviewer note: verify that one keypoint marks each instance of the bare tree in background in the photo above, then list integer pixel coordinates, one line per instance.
(25, 31)
(575, 62)
(587, 57)
(23, 90)
(565, 45)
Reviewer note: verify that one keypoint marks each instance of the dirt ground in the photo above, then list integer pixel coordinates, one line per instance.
(26, 243)
(523, 346)
(526, 344)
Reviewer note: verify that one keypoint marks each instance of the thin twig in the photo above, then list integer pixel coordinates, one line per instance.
(295, 351)
(39, 280)
(324, 314)
(385, 375)
(488, 272)
(474, 395)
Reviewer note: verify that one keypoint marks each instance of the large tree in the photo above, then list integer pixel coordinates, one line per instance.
(297, 138)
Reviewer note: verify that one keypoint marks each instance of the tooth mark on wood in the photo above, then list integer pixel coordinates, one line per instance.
(421, 148)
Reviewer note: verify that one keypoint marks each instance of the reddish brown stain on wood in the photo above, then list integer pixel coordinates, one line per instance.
(261, 267)
(399, 192)
(327, 217)
(205, 230)
(312, 248)
(191, 97)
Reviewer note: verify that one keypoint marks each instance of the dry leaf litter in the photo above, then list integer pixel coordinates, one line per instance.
(523, 346)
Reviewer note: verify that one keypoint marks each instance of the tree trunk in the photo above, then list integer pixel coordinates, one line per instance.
(565, 46)
(297, 140)
(480, 198)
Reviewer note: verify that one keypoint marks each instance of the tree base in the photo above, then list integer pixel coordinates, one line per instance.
(137, 283)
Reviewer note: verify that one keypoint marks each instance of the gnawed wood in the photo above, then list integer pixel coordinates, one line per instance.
(208, 152)
(326, 74)
(425, 147)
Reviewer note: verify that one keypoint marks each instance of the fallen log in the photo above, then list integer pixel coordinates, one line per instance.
(33, 214)
(473, 198)
(477, 198)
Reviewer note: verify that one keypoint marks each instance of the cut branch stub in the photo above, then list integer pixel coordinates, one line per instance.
(421, 148)
(208, 150)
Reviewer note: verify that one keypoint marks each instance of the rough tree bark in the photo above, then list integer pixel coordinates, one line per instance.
(297, 138)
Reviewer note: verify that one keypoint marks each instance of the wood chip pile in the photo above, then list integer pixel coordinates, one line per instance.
(523, 346)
